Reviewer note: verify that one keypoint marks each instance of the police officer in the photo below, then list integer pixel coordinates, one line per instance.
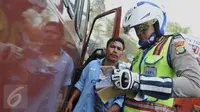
(164, 68)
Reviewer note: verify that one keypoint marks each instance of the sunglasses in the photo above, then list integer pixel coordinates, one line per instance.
(144, 27)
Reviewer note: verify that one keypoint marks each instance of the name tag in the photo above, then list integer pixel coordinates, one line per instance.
(150, 71)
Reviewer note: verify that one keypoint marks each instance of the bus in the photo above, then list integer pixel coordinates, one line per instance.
(44, 45)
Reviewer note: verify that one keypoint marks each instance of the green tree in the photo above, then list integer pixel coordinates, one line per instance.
(173, 27)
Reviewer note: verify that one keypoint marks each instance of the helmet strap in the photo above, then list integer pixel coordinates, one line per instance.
(149, 42)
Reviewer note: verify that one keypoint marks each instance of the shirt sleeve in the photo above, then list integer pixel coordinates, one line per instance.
(80, 84)
(119, 100)
(187, 82)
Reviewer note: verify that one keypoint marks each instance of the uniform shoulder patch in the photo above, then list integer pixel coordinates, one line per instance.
(180, 45)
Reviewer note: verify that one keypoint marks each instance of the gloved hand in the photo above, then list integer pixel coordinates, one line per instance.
(158, 87)
(126, 79)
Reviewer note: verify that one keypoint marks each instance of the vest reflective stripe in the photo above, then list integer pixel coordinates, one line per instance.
(146, 106)
(161, 65)
(159, 47)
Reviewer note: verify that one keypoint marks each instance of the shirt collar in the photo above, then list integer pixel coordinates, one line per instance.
(102, 60)
(61, 51)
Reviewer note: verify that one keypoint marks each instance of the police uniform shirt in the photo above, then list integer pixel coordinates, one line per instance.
(185, 65)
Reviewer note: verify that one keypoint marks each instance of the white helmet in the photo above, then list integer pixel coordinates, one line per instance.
(143, 12)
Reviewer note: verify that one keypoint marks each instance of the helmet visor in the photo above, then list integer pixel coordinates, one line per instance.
(144, 26)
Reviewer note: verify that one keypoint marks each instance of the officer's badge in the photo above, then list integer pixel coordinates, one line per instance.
(150, 71)
(180, 50)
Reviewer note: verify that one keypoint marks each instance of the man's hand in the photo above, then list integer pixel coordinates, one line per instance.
(113, 108)
(125, 79)
(75, 94)
(69, 107)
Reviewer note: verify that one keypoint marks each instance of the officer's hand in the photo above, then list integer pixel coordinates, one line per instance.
(69, 107)
(125, 79)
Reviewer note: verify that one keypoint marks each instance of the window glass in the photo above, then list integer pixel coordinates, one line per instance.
(82, 18)
(71, 5)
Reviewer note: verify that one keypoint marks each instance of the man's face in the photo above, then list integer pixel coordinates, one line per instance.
(52, 35)
(114, 51)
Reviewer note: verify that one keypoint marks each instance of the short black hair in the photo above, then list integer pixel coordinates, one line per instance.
(113, 39)
(56, 24)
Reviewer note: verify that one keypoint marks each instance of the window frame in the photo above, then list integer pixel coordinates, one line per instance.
(78, 18)
(115, 33)
(71, 8)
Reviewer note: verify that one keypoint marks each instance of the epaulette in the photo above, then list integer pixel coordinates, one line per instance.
(174, 36)
(177, 35)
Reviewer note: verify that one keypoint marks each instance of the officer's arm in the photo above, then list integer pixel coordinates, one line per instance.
(187, 83)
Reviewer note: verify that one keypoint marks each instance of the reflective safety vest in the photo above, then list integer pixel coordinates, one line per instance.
(153, 62)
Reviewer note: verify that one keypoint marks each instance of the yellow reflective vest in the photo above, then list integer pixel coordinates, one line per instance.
(152, 61)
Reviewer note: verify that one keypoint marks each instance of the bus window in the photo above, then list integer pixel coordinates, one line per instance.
(81, 18)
